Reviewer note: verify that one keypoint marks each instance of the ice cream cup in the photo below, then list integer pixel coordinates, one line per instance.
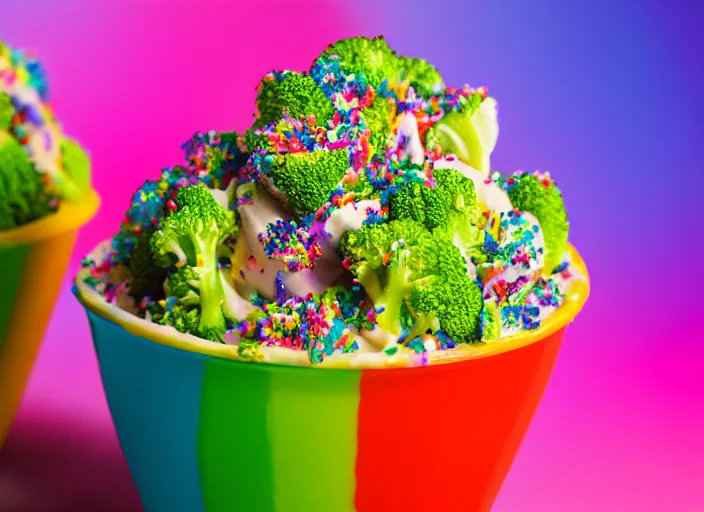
(33, 262)
(202, 431)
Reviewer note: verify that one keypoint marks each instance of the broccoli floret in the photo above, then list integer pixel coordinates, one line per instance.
(252, 141)
(173, 313)
(378, 114)
(7, 111)
(450, 294)
(429, 205)
(539, 196)
(231, 156)
(422, 76)
(23, 194)
(460, 227)
(449, 209)
(360, 55)
(386, 259)
(387, 286)
(373, 242)
(463, 197)
(184, 284)
(146, 276)
(132, 245)
(193, 233)
(378, 63)
(432, 204)
(296, 93)
(186, 320)
(401, 264)
(71, 180)
(308, 179)
(469, 132)
(462, 231)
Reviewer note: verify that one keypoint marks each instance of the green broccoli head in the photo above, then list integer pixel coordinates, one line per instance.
(133, 242)
(186, 320)
(401, 265)
(373, 58)
(431, 204)
(23, 194)
(360, 55)
(184, 284)
(449, 294)
(372, 243)
(72, 180)
(462, 231)
(195, 230)
(386, 259)
(7, 111)
(173, 313)
(470, 133)
(193, 233)
(463, 197)
(296, 93)
(539, 196)
(252, 141)
(146, 275)
(422, 76)
(308, 179)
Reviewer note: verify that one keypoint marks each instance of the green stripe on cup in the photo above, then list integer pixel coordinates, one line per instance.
(233, 442)
(12, 261)
(254, 420)
(318, 410)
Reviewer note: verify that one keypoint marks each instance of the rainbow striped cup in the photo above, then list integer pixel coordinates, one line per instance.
(33, 261)
(204, 432)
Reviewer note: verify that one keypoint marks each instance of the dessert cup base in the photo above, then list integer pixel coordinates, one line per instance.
(205, 432)
(33, 263)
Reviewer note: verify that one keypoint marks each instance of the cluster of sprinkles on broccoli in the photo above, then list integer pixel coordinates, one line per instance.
(357, 214)
(39, 165)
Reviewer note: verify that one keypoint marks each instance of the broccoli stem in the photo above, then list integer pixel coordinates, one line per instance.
(491, 325)
(370, 282)
(423, 323)
(212, 320)
(392, 295)
(396, 289)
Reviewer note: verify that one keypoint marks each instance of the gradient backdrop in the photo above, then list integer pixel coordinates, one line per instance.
(605, 94)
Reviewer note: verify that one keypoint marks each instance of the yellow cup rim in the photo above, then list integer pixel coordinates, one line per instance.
(167, 336)
(68, 217)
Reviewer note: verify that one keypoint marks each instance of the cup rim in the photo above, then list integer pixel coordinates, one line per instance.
(69, 216)
(278, 356)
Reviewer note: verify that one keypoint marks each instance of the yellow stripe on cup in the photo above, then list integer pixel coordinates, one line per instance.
(48, 245)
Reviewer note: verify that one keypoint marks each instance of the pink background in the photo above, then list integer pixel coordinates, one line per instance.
(605, 95)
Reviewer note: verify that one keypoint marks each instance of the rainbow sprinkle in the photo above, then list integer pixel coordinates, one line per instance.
(292, 244)
(319, 326)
